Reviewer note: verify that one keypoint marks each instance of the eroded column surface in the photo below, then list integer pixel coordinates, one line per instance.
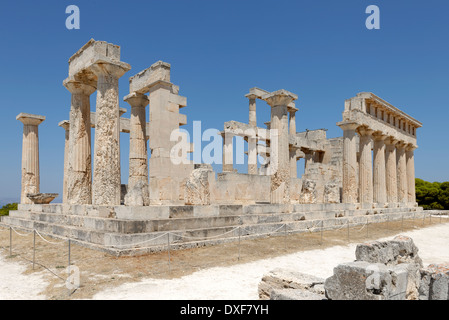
(30, 155)
(379, 170)
(106, 185)
(410, 159)
(365, 167)
(66, 126)
(79, 164)
(349, 181)
(138, 190)
(402, 173)
(279, 144)
(391, 172)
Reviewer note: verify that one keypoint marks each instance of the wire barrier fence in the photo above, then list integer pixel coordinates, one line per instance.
(63, 257)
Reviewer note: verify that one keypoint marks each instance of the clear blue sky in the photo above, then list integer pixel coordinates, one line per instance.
(320, 50)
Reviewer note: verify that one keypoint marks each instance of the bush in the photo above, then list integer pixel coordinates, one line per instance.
(432, 195)
(4, 211)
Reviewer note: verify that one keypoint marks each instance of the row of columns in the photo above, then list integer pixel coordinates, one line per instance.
(386, 176)
(228, 147)
(102, 185)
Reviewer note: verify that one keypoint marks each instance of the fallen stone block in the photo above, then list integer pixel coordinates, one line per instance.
(434, 282)
(361, 280)
(288, 279)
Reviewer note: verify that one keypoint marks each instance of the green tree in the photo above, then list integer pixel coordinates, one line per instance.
(4, 211)
(432, 195)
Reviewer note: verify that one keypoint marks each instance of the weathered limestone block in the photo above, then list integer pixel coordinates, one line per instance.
(361, 280)
(434, 282)
(278, 279)
(400, 250)
(141, 81)
(295, 294)
(332, 193)
(138, 194)
(308, 194)
(197, 189)
(42, 198)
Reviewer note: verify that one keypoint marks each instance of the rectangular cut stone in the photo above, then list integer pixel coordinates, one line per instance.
(141, 82)
(91, 52)
(177, 99)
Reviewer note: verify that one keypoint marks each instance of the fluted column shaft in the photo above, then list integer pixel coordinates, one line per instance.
(79, 165)
(66, 126)
(138, 191)
(410, 158)
(365, 167)
(379, 171)
(349, 181)
(391, 171)
(30, 155)
(106, 187)
(279, 145)
(402, 173)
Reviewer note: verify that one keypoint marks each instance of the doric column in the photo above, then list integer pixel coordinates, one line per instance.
(391, 171)
(79, 169)
(252, 155)
(279, 153)
(30, 155)
(350, 187)
(365, 167)
(308, 159)
(379, 171)
(292, 121)
(252, 110)
(228, 152)
(410, 159)
(66, 126)
(106, 187)
(293, 165)
(138, 190)
(402, 172)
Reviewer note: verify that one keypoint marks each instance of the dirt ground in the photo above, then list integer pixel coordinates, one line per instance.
(100, 271)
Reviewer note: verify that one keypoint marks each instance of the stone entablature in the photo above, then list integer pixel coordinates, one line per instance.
(386, 177)
(369, 110)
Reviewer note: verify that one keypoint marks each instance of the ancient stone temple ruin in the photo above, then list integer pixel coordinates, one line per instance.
(368, 174)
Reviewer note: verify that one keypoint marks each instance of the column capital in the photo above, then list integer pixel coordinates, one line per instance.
(115, 69)
(64, 124)
(364, 131)
(401, 145)
(379, 136)
(137, 99)
(411, 147)
(348, 125)
(279, 98)
(251, 96)
(30, 119)
(78, 87)
(391, 141)
(292, 110)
